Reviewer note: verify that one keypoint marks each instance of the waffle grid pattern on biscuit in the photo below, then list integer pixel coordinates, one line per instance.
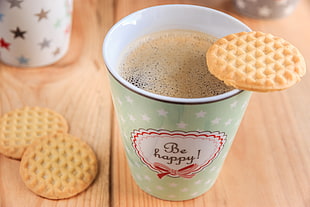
(256, 61)
(59, 166)
(20, 127)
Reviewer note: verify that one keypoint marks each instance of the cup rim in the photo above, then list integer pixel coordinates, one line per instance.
(158, 97)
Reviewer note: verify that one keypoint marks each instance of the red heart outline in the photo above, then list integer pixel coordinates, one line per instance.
(185, 172)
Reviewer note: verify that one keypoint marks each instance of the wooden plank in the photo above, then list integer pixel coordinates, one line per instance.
(76, 87)
(268, 164)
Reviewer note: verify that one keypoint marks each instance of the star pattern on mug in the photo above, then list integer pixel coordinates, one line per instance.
(240, 3)
(289, 9)
(131, 117)
(46, 25)
(228, 122)
(45, 43)
(281, 2)
(264, 9)
(18, 33)
(56, 51)
(216, 121)
(23, 60)
(181, 118)
(57, 24)
(68, 29)
(1, 17)
(145, 117)
(15, 3)
(234, 104)
(42, 15)
(162, 112)
(129, 99)
(181, 125)
(4, 44)
(201, 114)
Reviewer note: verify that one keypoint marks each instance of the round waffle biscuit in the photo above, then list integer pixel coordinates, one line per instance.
(58, 166)
(256, 61)
(20, 127)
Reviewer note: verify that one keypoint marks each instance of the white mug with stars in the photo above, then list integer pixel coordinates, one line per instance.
(34, 33)
(265, 9)
(175, 146)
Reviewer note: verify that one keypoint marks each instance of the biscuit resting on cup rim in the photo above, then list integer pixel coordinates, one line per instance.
(256, 61)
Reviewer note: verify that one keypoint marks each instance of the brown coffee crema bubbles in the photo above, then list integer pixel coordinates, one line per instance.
(171, 63)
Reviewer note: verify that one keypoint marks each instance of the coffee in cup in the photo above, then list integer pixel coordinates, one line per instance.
(172, 63)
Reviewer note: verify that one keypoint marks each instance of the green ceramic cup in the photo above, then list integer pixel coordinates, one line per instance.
(175, 146)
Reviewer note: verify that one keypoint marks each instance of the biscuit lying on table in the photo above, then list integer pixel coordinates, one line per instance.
(58, 166)
(20, 127)
(256, 61)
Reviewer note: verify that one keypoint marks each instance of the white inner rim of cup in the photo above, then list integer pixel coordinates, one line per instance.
(164, 17)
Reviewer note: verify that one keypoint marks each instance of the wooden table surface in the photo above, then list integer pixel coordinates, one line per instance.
(268, 165)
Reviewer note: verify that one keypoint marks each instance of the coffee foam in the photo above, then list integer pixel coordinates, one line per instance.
(171, 63)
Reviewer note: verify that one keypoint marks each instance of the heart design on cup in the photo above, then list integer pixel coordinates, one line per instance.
(177, 153)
